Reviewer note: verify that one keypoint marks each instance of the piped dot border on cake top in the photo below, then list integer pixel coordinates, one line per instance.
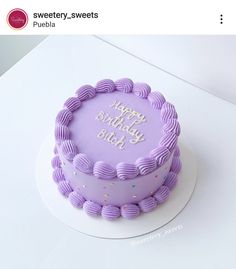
(111, 212)
(122, 171)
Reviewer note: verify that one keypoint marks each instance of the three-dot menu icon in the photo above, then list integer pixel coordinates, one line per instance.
(221, 18)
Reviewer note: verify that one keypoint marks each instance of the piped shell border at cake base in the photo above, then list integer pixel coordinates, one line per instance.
(112, 212)
(123, 171)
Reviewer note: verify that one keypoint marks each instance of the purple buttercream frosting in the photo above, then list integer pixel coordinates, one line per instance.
(62, 133)
(172, 125)
(148, 204)
(82, 163)
(56, 162)
(129, 197)
(86, 92)
(64, 117)
(126, 170)
(169, 141)
(58, 175)
(91, 208)
(69, 149)
(110, 212)
(141, 90)
(171, 180)
(156, 99)
(105, 85)
(146, 165)
(64, 188)
(124, 85)
(161, 154)
(104, 170)
(176, 165)
(168, 113)
(130, 211)
(162, 194)
(72, 103)
(168, 105)
(76, 199)
(177, 151)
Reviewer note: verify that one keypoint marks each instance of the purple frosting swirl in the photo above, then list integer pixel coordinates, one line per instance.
(126, 170)
(62, 133)
(58, 175)
(162, 194)
(171, 180)
(64, 117)
(124, 85)
(169, 141)
(141, 90)
(148, 204)
(177, 151)
(91, 208)
(176, 165)
(130, 211)
(110, 212)
(69, 149)
(56, 162)
(103, 170)
(64, 188)
(172, 125)
(105, 85)
(156, 99)
(72, 103)
(86, 92)
(168, 105)
(146, 165)
(76, 199)
(161, 155)
(167, 114)
(82, 163)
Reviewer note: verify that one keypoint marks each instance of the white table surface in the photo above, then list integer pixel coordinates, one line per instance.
(31, 93)
(207, 61)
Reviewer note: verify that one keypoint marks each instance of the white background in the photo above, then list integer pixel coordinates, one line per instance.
(13, 48)
(33, 91)
(208, 62)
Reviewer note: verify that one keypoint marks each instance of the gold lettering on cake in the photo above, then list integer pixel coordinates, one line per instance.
(126, 121)
(112, 139)
(128, 112)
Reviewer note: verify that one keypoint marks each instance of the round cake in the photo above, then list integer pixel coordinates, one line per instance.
(116, 150)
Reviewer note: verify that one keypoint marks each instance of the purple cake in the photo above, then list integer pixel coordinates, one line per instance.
(116, 152)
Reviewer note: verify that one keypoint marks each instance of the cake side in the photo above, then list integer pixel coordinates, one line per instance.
(108, 206)
(115, 192)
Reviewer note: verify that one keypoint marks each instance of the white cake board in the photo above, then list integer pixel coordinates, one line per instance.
(77, 219)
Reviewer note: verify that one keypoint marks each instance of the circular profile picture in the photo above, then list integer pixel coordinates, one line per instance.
(17, 18)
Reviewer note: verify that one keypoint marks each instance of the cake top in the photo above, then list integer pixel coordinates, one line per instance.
(117, 130)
